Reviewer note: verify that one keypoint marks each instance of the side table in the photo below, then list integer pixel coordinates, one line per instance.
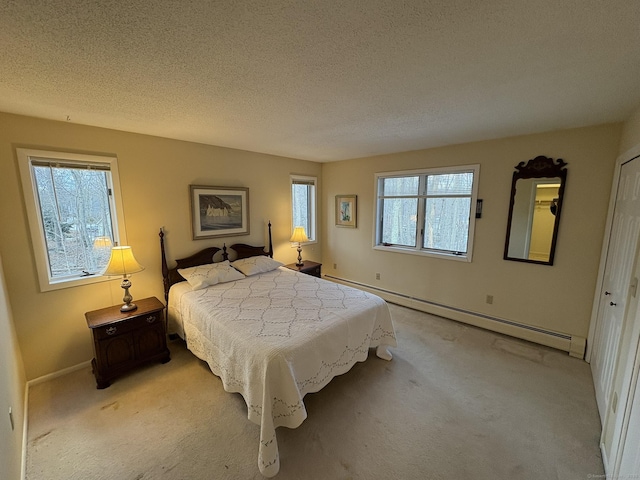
(310, 268)
(124, 340)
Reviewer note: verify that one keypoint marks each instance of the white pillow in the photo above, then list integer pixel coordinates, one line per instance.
(204, 275)
(253, 265)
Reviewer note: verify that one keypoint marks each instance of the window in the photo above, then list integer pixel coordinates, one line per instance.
(303, 204)
(427, 212)
(73, 208)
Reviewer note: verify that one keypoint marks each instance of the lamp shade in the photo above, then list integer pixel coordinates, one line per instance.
(122, 262)
(299, 235)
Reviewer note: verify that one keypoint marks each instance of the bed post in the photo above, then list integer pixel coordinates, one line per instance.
(270, 241)
(165, 268)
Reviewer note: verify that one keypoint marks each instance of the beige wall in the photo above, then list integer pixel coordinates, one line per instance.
(155, 175)
(557, 297)
(12, 389)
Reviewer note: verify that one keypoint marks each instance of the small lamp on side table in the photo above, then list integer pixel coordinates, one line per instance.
(299, 236)
(122, 262)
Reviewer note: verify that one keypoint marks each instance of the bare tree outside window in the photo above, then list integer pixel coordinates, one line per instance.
(74, 206)
(448, 202)
(303, 200)
(400, 210)
(426, 212)
(74, 211)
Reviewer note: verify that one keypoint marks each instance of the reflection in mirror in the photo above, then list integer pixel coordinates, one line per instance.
(537, 189)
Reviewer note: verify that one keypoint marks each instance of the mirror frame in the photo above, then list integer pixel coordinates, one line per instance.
(538, 167)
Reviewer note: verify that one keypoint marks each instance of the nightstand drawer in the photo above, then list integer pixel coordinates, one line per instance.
(118, 328)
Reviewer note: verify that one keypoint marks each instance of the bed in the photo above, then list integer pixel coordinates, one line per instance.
(272, 335)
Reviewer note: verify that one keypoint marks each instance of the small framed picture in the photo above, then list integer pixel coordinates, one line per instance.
(219, 211)
(346, 210)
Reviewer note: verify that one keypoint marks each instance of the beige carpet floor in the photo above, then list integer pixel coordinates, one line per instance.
(456, 402)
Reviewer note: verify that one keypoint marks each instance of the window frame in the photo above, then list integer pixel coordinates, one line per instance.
(34, 215)
(418, 249)
(312, 208)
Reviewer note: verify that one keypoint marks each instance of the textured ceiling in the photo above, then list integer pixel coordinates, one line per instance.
(322, 79)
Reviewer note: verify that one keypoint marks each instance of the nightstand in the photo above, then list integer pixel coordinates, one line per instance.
(310, 268)
(125, 340)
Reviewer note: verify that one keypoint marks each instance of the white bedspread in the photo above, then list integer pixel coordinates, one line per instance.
(277, 336)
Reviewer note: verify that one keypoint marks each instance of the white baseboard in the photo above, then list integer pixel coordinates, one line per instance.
(25, 425)
(59, 373)
(574, 345)
(605, 459)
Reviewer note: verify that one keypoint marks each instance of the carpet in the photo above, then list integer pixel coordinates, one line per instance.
(456, 402)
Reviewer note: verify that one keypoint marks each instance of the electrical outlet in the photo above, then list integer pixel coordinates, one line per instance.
(377, 276)
(490, 299)
(335, 266)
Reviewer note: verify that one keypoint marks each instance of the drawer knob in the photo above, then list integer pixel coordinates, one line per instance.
(151, 318)
(111, 330)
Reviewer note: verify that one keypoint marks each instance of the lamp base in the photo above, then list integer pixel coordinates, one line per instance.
(127, 307)
(300, 263)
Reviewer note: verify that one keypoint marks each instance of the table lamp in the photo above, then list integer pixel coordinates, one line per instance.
(299, 236)
(122, 262)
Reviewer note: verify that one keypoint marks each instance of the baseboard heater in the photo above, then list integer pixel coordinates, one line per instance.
(576, 346)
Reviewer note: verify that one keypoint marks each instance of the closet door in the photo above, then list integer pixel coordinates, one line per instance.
(621, 427)
(617, 277)
(630, 457)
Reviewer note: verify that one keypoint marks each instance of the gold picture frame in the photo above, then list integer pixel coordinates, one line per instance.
(219, 211)
(347, 211)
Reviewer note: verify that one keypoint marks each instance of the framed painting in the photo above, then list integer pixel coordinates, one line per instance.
(219, 211)
(346, 210)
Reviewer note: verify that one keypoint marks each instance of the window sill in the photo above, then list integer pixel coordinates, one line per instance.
(446, 256)
(47, 285)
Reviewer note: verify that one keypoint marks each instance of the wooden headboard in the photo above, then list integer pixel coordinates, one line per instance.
(171, 276)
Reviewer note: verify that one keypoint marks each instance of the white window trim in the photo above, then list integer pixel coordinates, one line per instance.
(35, 219)
(314, 206)
(418, 250)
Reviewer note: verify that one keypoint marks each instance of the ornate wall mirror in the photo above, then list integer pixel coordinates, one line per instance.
(537, 189)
